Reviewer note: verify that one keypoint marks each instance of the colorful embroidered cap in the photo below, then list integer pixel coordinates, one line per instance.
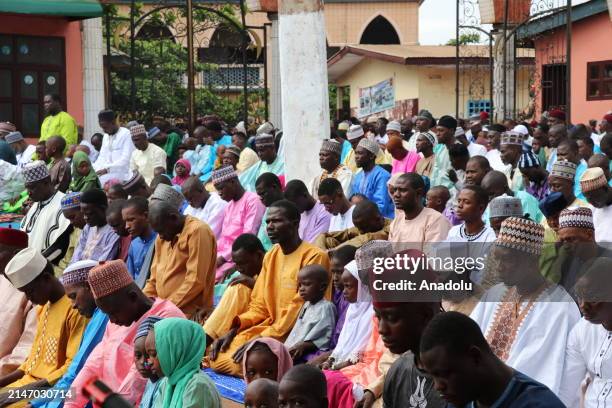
(78, 272)
(577, 217)
(35, 171)
(521, 234)
(108, 277)
(593, 179)
(71, 200)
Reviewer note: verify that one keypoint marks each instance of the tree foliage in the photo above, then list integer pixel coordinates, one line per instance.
(161, 71)
(468, 38)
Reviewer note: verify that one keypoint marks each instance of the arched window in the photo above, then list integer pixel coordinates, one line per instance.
(154, 30)
(379, 31)
(225, 46)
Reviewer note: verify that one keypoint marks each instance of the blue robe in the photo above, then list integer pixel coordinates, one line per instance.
(373, 185)
(137, 254)
(226, 140)
(250, 175)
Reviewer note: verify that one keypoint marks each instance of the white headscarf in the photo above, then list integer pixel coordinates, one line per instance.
(357, 323)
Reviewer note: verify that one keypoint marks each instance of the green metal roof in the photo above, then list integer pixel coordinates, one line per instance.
(579, 12)
(63, 8)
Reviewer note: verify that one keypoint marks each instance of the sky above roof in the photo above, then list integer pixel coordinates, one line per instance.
(437, 20)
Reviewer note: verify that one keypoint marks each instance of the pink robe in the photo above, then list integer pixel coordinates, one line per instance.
(240, 217)
(366, 372)
(407, 164)
(112, 361)
(18, 320)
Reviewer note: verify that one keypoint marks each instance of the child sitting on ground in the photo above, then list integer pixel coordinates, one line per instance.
(317, 318)
(261, 393)
(265, 357)
(339, 258)
(141, 361)
(182, 168)
(304, 386)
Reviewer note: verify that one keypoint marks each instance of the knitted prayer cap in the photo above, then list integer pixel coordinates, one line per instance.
(71, 200)
(430, 136)
(223, 174)
(505, 206)
(138, 130)
(13, 137)
(7, 127)
(331, 146)
(146, 325)
(265, 128)
(77, 272)
(364, 257)
(35, 171)
(556, 113)
(13, 237)
(577, 217)
(233, 150)
(264, 140)
(240, 128)
(369, 145)
(154, 131)
(24, 267)
(511, 138)
(395, 126)
(521, 129)
(344, 126)
(528, 160)
(553, 204)
(354, 132)
(108, 277)
(563, 169)
(521, 234)
(164, 192)
(592, 179)
(132, 181)
(131, 124)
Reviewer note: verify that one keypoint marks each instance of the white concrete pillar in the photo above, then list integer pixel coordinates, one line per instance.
(93, 74)
(305, 100)
(274, 81)
(499, 70)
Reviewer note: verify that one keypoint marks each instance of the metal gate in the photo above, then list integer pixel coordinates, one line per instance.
(520, 65)
(149, 71)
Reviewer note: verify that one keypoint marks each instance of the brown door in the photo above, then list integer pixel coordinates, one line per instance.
(30, 67)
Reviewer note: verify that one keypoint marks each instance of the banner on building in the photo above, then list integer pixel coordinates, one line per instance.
(376, 98)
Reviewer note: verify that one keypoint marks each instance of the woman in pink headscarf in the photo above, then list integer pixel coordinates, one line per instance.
(182, 168)
(265, 357)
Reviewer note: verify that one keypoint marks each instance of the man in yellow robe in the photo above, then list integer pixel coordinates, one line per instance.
(275, 301)
(183, 267)
(247, 254)
(59, 330)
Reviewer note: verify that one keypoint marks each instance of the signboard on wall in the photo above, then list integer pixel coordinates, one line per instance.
(376, 98)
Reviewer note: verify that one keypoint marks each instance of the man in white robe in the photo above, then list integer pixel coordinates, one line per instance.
(589, 347)
(47, 228)
(329, 160)
(598, 193)
(116, 151)
(526, 319)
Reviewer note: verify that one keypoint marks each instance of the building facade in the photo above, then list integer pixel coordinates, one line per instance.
(43, 50)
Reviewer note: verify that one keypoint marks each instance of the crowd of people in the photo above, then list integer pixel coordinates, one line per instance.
(183, 269)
